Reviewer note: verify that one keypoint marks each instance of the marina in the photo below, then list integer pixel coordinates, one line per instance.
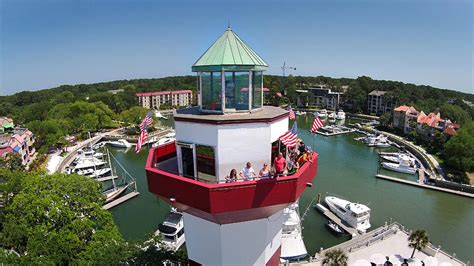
(332, 217)
(355, 174)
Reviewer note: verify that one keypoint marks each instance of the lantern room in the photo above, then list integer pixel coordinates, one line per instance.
(230, 76)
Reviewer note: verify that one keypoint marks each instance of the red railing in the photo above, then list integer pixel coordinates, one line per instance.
(225, 197)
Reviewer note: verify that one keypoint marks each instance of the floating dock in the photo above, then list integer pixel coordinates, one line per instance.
(413, 183)
(343, 131)
(110, 177)
(120, 200)
(331, 216)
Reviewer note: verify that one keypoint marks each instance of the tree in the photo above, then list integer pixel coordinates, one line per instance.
(336, 257)
(386, 119)
(455, 113)
(460, 149)
(134, 115)
(418, 240)
(12, 161)
(58, 219)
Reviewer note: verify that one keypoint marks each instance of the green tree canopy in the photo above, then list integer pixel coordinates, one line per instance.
(418, 240)
(336, 257)
(460, 149)
(58, 219)
(134, 115)
(455, 113)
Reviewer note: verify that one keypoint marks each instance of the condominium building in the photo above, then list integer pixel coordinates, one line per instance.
(378, 103)
(405, 118)
(18, 140)
(153, 100)
(320, 96)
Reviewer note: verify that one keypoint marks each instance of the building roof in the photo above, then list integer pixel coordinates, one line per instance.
(408, 110)
(431, 119)
(377, 93)
(449, 130)
(6, 122)
(229, 52)
(155, 93)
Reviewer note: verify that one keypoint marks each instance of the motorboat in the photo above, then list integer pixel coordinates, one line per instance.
(335, 228)
(332, 115)
(406, 165)
(172, 230)
(159, 115)
(396, 158)
(121, 143)
(292, 244)
(373, 140)
(323, 113)
(355, 215)
(100, 172)
(163, 141)
(340, 115)
(114, 192)
(98, 145)
(83, 153)
(85, 163)
(382, 144)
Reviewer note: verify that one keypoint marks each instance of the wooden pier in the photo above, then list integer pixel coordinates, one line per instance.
(110, 177)
(413, 183)
(120, 200)
(328, 134)
(331, 216)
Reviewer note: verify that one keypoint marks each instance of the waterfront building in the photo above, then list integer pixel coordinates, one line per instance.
(228, 222)
(378, 103)
(18, 140)
(405, 118)
(320, 96)
(153, 100)
(6, 124)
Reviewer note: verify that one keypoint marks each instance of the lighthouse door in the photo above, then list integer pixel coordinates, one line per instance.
(187, 161)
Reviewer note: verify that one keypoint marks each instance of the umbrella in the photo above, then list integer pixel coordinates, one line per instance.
(378, 258)
(430, 261)
(362, 262)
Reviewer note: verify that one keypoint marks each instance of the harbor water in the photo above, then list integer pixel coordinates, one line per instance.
(347, 168)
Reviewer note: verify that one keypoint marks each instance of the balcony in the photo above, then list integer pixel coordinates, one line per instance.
(223, 202)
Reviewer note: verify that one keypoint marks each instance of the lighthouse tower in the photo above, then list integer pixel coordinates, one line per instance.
(236, 223)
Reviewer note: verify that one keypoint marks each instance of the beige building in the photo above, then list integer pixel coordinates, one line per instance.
(153, 100)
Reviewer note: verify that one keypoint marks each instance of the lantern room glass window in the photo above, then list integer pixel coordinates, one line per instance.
(237, 90)
(211, 87)
(257, 90)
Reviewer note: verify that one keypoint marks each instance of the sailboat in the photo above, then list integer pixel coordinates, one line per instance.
(115, 191)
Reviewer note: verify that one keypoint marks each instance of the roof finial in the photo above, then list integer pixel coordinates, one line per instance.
(228, 24)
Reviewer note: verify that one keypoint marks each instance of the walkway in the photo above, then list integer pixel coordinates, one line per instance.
(391, 241)
(418, 184)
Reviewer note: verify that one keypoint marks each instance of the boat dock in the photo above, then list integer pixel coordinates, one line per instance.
(120, 200)
(331, 216)
(110, 177)
(418, 184)
(340, 131)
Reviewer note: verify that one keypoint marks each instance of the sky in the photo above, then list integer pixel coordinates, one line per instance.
(47, 43)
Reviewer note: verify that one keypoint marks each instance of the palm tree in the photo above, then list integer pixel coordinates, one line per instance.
(418, 240)
(335, 257)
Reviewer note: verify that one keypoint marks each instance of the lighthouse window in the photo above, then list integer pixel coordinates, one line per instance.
(257, 79)
(211, 90)
(206, 164)
(241, 84)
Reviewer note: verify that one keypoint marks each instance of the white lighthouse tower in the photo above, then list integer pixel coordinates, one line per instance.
(237, 223)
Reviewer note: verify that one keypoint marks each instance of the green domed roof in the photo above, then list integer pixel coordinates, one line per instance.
(229, 52)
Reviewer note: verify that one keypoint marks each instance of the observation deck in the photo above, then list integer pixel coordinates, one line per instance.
(223, 202)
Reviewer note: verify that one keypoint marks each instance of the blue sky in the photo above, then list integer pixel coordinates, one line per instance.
(46, 43)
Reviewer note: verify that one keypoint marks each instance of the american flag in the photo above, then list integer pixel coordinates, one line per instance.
(141, 140)
(292, 114)
(147, 121)
(289, 139)
(317, 123)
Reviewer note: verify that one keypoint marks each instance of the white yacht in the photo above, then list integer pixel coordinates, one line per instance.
(354, 214)
(292, 245)
(83, 153)
(396, 158)
(340, 115)
(163, 141)
(100, 172)
(172, 230)
(323, 113)
(159, 115)
(121, 143)
(405, 165)
(85, 163)
(376, 140)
